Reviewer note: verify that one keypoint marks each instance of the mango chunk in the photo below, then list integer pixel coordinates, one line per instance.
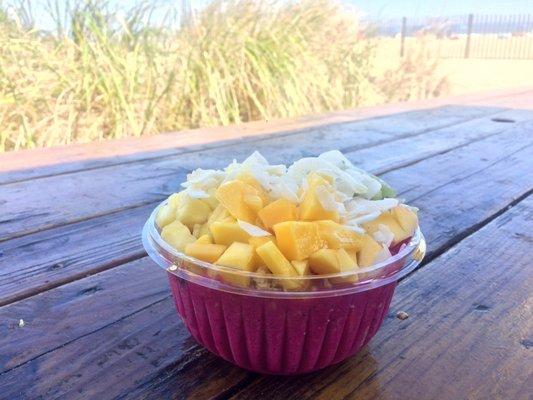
(192, 211)
(204, 239)
(407, 219)
(278, 211)
(219, 214)
(297, 239)
(302, 267)
(177, 235)
(253, 201)
(251, 181)
(239, 256)
(232, 194)
(278, 264)
(337, 236)
(310, 208)
(387, 219)
(324, 261)
(256, 242)
(165, 215)
(205, 251)
(367, 254)
(228, 232)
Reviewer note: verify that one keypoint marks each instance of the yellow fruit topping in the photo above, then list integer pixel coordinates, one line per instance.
(311, 208)
(192, 211)
(278, 211)
(297, 239)
(324, 261)
(337, 236)
(205, 251)
(366, 256)
(228, 232)
(239, 256)
(278, 264)
(204, 239)
(391, 223)
(302, 267)
(406, 218)
(177, 235)
(232, 194)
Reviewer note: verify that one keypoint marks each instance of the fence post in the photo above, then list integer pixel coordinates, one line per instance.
(402, 38)
(469, 35)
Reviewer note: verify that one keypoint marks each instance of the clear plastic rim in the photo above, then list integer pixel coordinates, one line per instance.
(411, 254)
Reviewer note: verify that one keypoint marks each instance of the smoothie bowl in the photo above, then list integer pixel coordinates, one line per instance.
(284, 270)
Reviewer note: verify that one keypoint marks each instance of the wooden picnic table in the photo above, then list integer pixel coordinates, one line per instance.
(85, 314)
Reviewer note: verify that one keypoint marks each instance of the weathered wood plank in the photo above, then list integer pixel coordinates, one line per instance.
(437, 242)
(105, 190)
(458, 342)
(30, 164)
(46, 259)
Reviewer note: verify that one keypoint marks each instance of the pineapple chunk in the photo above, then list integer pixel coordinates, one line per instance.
(324, 261)
(220, 214)
(302, 267)
(239, 256)
(256, 242)
(251, 181)
(165, 215)
(280, 210)
(337, 236)
(232, 194)
(369, 251)
(407, 219)
(346, 263)
(192, 211)
(387, 219)
(310, 208)
(253, 201)
(297, 239)
(205, 251)
(278, 264)
(177, 235)
(204, 239)
(228, 232)
(211, 201)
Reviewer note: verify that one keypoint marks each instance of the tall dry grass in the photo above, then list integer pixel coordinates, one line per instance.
(109, 75)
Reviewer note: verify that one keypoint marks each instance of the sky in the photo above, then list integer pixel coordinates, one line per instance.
(372, 9)
(421, 8)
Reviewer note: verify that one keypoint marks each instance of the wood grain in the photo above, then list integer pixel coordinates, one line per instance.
(458, 342)
(28, 164)
(46, 259)
(51, 351)
(101, 191)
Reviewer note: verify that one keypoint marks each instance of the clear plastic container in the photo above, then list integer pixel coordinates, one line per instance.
(280, 325)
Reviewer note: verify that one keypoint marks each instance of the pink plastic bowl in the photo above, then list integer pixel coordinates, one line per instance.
(263, 327)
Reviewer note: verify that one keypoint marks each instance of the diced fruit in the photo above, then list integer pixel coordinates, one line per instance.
(347, 263)
(407, 219)
(253, 201)
(228, 232)
(278, 264)
(231, 195)
(310, 208)
(196, 230)
(297, 239)
(278, 211)
(220, 214)
(239, 256)
(337, 236)
(192, 211)
(204, 239)
(211, 201)
(205, 251)
(165, 215)
(324, 261)
(369, 251)
(387, 219)
(256, 242)
(176, 199)
(302, 267)
(177, 235)
(251, 181)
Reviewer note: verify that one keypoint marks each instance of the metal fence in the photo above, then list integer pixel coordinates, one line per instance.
(465, 36)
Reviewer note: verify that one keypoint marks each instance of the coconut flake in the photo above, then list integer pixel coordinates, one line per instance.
(355, 228)
(252, 230)
(196, 193)
(364, 218)
(360, 206)
(384, 235)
